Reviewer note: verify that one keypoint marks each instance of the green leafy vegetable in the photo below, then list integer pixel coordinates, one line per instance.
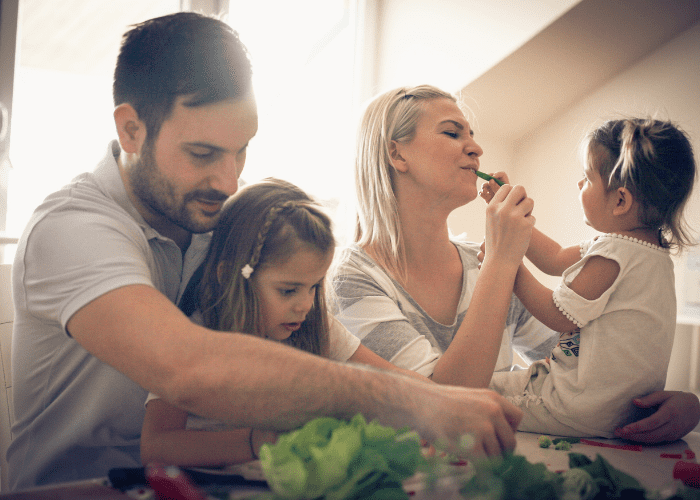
(544, 441)
(513, 478)
(578, 485)
(562, 445)
(611, 481)
(334, 460)
(331, 459)
(570, 440)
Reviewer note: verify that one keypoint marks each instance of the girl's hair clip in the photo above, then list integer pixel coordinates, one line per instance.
(247, 271)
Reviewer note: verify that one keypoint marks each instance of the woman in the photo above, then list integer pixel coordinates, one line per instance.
(415, 296)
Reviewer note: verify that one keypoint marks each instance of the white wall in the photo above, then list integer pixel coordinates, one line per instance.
(448, 43)
(665, 83)
(547, 161)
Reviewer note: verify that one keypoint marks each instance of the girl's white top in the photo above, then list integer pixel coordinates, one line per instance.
(622, 347)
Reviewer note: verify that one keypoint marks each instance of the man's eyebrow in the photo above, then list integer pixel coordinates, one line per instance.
(204, 145)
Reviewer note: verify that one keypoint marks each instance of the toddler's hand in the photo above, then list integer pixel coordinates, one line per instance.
(488, 189)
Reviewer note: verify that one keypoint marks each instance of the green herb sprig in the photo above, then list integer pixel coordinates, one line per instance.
(487, 177)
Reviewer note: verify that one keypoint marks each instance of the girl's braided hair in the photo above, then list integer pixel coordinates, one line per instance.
(263, 224)
(654, 160)
(262, 235)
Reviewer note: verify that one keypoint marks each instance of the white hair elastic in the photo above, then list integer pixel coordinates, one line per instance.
(247, 271)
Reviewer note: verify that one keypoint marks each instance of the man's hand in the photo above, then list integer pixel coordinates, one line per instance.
(677, 414)
(478, 419)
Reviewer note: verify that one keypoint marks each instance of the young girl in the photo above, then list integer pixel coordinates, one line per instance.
(264, 275)
(616, 302)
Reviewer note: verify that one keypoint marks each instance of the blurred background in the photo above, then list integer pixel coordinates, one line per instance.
(536, 75)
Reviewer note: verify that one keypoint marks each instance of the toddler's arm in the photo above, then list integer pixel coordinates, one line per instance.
(543, 252)
(597, 275)
(549, 256)
(165, 440)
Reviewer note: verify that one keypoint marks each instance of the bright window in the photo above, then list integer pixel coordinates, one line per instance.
(303, 65)
(302, 54)
(62, 102)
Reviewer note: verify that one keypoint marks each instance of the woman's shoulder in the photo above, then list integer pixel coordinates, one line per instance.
(356, 271)
(354, 260)
(468, 250)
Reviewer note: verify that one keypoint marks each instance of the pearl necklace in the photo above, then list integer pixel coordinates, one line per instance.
(636, 240)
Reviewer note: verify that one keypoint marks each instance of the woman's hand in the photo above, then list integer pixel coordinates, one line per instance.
(488, 189)
(509, 223)
(677, 414)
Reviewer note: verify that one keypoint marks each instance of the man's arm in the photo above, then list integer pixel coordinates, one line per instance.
(257, 383)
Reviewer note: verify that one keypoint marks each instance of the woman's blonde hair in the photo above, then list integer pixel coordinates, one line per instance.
(392, 116)
(263, 224)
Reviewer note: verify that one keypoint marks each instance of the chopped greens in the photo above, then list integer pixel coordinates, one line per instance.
(570, 440)
(330, 459)
(544, 441)
(611, 482)
(513, 477)
(578, 485)
(562, 445)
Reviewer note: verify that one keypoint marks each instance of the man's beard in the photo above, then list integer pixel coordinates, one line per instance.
(158, 194)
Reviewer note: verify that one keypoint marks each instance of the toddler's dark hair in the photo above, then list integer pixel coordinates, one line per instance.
(654, 160)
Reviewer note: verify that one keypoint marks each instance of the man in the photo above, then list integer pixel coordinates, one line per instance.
(103, 262)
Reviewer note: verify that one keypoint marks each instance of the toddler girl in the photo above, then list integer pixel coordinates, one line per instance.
(264, 275)
(616, 302)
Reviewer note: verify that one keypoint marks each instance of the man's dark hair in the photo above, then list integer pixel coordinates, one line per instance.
(182, 54)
